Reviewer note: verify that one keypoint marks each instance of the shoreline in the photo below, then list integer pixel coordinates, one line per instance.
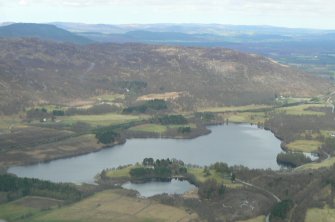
(200, 132)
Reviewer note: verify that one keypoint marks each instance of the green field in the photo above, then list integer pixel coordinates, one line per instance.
(327, 133)
(247, 117)
(156, 128)
(234, 108)
(15, 212)
(101, 120)
(27, 207)
(150, 128)
(201, 177)
(115, 205)
(307, 146)
(314, 166)
(320, 215)
(117, 173)
(302, 109)
(290, 100)
(193, 126)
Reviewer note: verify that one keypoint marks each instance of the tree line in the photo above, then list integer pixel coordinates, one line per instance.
(16, 187)
(160, 169)
(171, 120)
(292, 159)
(155, 105)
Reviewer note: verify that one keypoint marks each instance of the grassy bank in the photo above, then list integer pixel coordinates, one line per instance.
(102, 120)
(315, 166)
(201, 177)
(115, 205)
(325, 214)
(307, 146)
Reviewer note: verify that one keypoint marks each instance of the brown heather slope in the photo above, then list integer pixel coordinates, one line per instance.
(33, 71)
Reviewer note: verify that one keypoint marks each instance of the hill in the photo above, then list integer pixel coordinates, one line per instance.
(34, 71)
(310, 49)
(141, 36)
(41, 31)
(189, 28)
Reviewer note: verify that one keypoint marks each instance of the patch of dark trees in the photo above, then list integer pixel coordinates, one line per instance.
(329, 145)
(281, 210)
(184, 129)
(211, 189)
(151, 105)
(292, 159)
(114, 133)
(221, 167)
(170, 120)
(38, 114)
(107, 135)
(16, 187)
(160, 170)
(286, 104)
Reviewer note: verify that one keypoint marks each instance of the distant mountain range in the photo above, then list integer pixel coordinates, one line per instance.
(216, 29)
(41, 31)
(249, 37)
(284, 44)
(178, 38)
(310, 49)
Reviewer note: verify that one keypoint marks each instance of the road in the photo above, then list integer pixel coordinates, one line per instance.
(330, 101)
(275, 197)
(327, 154)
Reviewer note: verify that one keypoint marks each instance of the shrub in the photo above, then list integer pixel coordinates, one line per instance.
(281, 209)
(106, 136)
(210, 189)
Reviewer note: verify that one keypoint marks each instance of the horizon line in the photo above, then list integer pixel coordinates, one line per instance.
(167, 23)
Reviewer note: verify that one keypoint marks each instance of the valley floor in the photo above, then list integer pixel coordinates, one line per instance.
(301, 124)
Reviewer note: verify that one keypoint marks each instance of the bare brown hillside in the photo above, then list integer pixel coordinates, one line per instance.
(33, 71)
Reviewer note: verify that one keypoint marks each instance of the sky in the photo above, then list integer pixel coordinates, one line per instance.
(318, 14)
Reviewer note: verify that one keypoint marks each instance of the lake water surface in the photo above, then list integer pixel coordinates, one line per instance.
(234, 144)
(150, 189)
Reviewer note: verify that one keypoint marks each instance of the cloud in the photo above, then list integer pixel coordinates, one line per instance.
(312, 7)
(256, 3)
(23, 2)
